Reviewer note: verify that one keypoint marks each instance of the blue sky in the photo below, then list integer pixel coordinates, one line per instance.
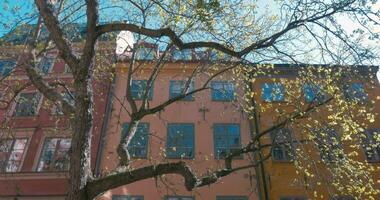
(14, 10)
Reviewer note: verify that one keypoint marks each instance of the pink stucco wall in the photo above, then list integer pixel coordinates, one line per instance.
(241, 183)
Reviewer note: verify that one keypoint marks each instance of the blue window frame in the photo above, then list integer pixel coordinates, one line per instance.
(272, 92)
(231, 198)
(226, 139)
(138, 147)
(45, 64)
(127, 197)
(27, 104)
(179, 198)
(177, 87)
(6, 66)
(222, 91)
(371, 144)
(138, 89)
(313, 93)
(180, 140)
(283, 146)
(355, 92)
(329, 145)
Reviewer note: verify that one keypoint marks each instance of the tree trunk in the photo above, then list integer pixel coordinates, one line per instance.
(80, 158)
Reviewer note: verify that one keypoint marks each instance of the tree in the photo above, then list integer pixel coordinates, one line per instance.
(239, 29)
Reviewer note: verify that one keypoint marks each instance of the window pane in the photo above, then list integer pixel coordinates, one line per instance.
(371, 144)
(273, 92)
(355, 92)
(226, 139)
(54, 156)
(283, 146)
(180, 141)
(16, 155)
(222, 91)
(138, 88)
(313, 93)
(138, 147)
(329, 145)
(45, 64)
(27, 104)
(6, 66)
(177, 87)
(11, 154)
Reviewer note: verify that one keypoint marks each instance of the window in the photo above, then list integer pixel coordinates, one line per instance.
(273, 92)
(283, 148)
(185, 54)
(179, 198)
(329, 145)
(355, 92)
(293, 198)
(226, 139)
(127, 197)
(55, 155)
(11, 154)
(371, 144)
(180, 141)
(222, 91)
(45, 64)
(69, 97)
(231, 198)
(143, 53)
(177, 87)
(67, 69)
(27, 104)
(138, 89)
(313, 93)
(6, 67)
(138, 146)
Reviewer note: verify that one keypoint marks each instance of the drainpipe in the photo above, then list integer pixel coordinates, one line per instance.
(254, 127)
(103, 132)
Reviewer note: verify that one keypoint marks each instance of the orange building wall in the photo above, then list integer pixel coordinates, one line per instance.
(281, 178)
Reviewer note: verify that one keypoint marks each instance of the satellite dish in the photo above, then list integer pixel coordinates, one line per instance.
(124, 41)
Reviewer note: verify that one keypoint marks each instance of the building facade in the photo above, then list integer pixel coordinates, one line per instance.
(280, 179)
(200, 129)
(35, 137)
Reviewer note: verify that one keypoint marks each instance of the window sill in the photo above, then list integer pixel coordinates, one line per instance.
(34, 175)
(179, 158)
(25, 117)
(235, 158)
